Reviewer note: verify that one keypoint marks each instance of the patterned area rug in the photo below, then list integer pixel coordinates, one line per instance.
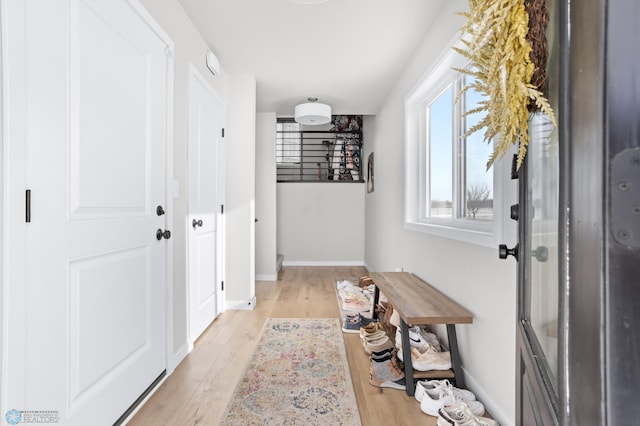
(298, 375)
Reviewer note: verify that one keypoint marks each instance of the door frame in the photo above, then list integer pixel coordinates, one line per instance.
(194, 73)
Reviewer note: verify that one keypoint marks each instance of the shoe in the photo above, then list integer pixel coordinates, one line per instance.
(395, 319)
(380, 334)
(369, 291)
(418, 338)
(365, 281)
(433, 386)
(378, 355)
(447, 399)
(345, 286)
(378, 345)
(386, 373)
(356, 304)
(431, 339)
(428, 360)
(462, 415)
(353, 323)
(368, 329)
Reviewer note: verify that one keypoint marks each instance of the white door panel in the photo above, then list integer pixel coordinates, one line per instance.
(94, 128)
(206, 254)
(206, 115)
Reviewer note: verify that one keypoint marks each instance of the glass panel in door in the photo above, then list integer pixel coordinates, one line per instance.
(541, 253)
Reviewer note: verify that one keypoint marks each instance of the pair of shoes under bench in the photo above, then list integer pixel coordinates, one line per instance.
(353, 323)
(386, 371)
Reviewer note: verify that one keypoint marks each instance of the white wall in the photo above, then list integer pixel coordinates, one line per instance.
(189, 48)
(266, 268)
(240, 193)
(321, 223)
(472, 275)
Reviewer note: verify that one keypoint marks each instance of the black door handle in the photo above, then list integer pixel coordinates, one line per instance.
(504, 251)
(195, 223)
(160, 234)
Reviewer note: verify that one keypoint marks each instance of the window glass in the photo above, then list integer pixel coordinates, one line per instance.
(449, 192)
(477, 182)
(440, 124)
(288, 146)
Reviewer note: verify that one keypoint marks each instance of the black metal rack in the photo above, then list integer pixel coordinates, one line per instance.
(319, 156)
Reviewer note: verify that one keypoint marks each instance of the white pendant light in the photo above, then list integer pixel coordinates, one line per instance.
(313, 113)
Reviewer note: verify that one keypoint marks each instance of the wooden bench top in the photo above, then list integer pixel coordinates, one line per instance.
(417, 302)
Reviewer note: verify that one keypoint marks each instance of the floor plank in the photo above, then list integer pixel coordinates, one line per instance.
(200, 388)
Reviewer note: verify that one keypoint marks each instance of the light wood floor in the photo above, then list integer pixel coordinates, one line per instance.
(201, 386)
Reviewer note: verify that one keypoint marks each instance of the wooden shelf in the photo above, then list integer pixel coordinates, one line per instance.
(433, 374)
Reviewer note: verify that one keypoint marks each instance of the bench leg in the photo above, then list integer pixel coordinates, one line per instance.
(376, 299)
(406, 354)
(456, 363)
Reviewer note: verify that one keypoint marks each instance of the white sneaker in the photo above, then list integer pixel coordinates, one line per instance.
(428, 360)
(446, 399)
(417, 338)
(461, 415)
(431, 339)
(432, 387)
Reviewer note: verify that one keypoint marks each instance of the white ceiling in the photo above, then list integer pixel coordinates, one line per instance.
(347, 53)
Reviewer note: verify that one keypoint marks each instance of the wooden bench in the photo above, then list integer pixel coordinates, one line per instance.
(418, 303)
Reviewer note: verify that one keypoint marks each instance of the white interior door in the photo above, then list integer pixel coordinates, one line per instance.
(87, 124)
(206, 117)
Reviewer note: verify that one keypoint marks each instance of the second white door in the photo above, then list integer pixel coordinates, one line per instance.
(206, 118)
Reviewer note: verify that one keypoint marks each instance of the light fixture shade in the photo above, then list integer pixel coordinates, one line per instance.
(313, 113)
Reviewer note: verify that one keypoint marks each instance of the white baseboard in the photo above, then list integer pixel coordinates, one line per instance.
(240, 305)
(368, 268)
(267, 277)
(323, 263)
(489, 404)
(178, 357)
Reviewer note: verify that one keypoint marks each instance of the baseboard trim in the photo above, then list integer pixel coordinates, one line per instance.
(267, 277)
(489, 404)
(368, 268)
(178, 357)
(323, 263)
(240, 305)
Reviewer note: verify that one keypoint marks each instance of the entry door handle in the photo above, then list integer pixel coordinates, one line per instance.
(196, 223)
(504, 251)
(160, 234)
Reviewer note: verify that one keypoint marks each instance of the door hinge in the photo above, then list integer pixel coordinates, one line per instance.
(514, 167)
(221, 208)
(169, 53)
(27, 206)
(222, 285)
(223, 132)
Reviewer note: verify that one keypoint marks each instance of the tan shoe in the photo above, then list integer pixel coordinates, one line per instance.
(370, 329)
